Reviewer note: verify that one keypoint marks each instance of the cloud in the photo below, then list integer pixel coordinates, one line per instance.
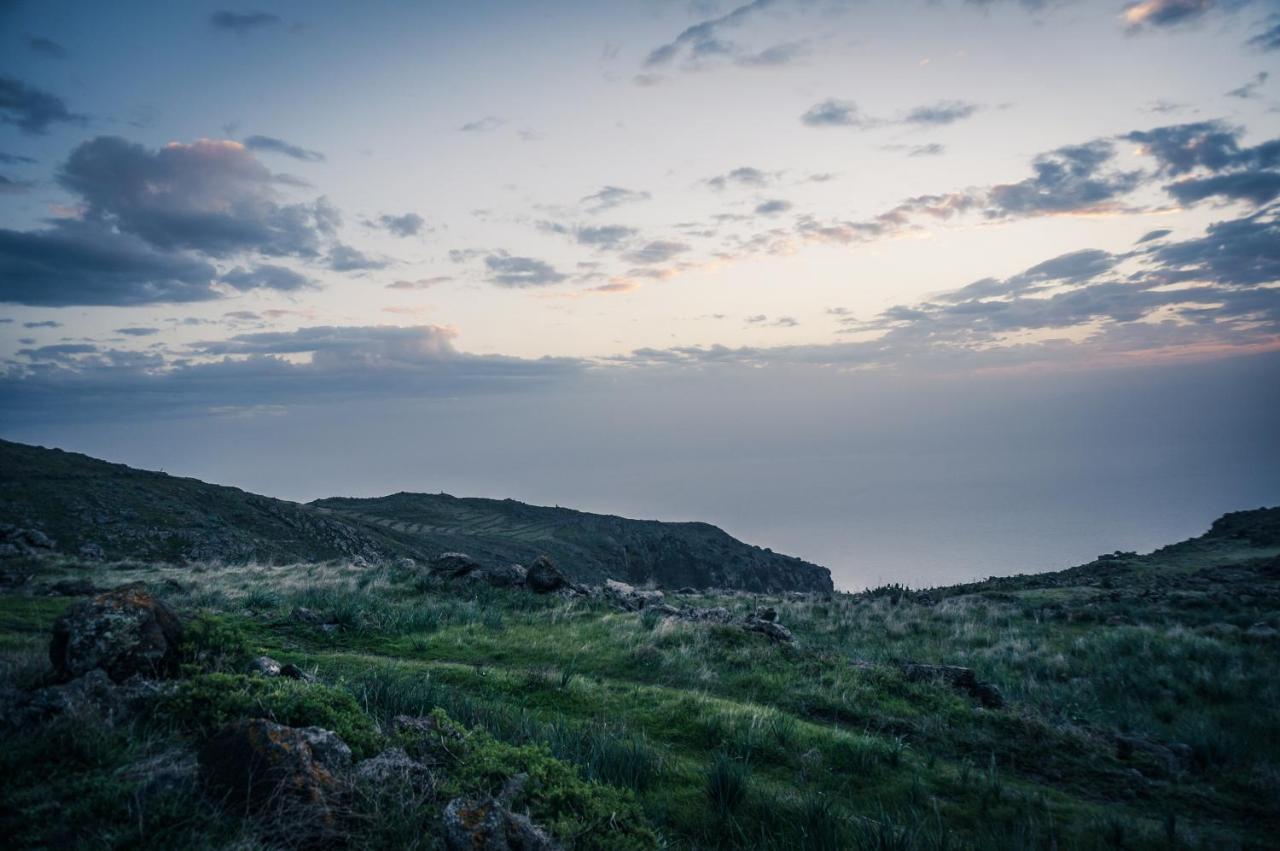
(933, 149)
(273, 145)
(597, 236)
(266, 277)
(1237, 172)
(941, 113)
(1069, 179)
(405, 224)
(704, 39)
(779, 54)
(837, 113)
(46, 47)
(1268, 39)
(9, 186)
(47, 323)
(306, 366)
(74, 263)
(243, 23)
(1256, 187)
(344, 258)
(1250, 89)
(613, 196)
(1163, 13)
(136, 331)
(506, 270)
(483, 125)
(419, 284)
(1151, 236)
(15, 159)
(658, 251)
(209, 196)
(773, 207)
(742, 176)
(32, 110)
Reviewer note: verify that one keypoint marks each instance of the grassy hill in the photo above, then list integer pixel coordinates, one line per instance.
(94, 507)
(1141, 707)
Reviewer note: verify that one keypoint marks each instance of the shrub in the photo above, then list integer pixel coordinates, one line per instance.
(206, 702)
(214, 643)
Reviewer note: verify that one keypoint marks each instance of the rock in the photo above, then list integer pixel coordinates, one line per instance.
(715, 614)
(629, 597)
(687, 590)
(394, 766)
(305, 615)
(406, 563)
(959, 678)
(257, 765)
(453, 565)
(94, 693)
(766, 613)
(265, 666)
(293, 672)
(90, 551)
(327, 748)
(544, 577)
(17, 541)
(359, 562)
(772, 629)
(124, 632)
(487, 825)
(501, 575)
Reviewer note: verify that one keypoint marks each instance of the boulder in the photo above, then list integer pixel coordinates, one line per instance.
(394, 766)
(124, 632)
(293, 672)
(302, 614)
(256, 765)
(263, 665)
(488, 825)
(958, 678)
(502, 575)
(544, 577)
(771, 629)
(715, 614)
(94, 694)
(327, 748)
(453, 565)
(629, 597)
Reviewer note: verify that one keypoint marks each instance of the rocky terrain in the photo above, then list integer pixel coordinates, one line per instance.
(76, 505)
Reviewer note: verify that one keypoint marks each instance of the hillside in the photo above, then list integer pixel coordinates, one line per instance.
(111, 511)
(597, 546)
(1131, 703)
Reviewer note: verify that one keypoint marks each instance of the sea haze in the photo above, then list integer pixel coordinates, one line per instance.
(882, 478)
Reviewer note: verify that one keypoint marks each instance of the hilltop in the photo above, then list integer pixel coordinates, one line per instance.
(108, 511)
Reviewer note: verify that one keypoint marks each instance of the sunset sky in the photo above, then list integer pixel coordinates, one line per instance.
(792, 267)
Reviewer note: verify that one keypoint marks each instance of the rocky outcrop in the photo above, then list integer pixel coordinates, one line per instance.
(544, 577)
(259, 766)
(765, 621)
(15, 541)
(630, 598)
(488, 825)
(124, 632)
(394, 766)
(959, 678)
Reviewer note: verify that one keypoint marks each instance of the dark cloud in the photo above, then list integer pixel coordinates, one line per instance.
(32, 110)
(210, 196)
(138, 331)
(941, 113)
(1180, 148)
(1163, 13)
(405, 224)
(1268, 39)
(47, 323)
(778, 54)
(47, 47)
(613, 196)
(1070, 179)
(483, 125)
(73, 263)
(266, 277)
(658, 251)
(1257, 187)
(506, 270)
(933, 149)
(743, 176)
(1240, 253)
(836, 113)
(1151, 236)
(420, 284)
(59, 351)
(243, 23)
(9, 186)
(1250, 89)
(15, 159)
(271, 144)
(773, 207)
(705, 39)
(344, 258)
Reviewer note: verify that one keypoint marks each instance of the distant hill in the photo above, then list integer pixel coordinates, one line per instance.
(96, 508)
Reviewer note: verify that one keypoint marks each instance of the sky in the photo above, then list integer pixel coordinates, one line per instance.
(921, 291)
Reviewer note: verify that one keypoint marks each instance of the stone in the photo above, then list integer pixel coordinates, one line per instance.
(304, 615)
(327, 748)
(487, 825)
(770, 629)
(502, 575)
(90, 551)
(544, 577)
(394, 766)
(629, 597)
(264, 666)
(957, 677)
(453, 565)
(359, 562)
(255, 765)
(94, 694)
(123, 632)
(293, 672)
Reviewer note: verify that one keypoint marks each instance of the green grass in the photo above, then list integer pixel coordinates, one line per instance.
(722, 739)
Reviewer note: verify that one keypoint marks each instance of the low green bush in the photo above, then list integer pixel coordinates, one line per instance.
(204, 703)
(214, 643)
